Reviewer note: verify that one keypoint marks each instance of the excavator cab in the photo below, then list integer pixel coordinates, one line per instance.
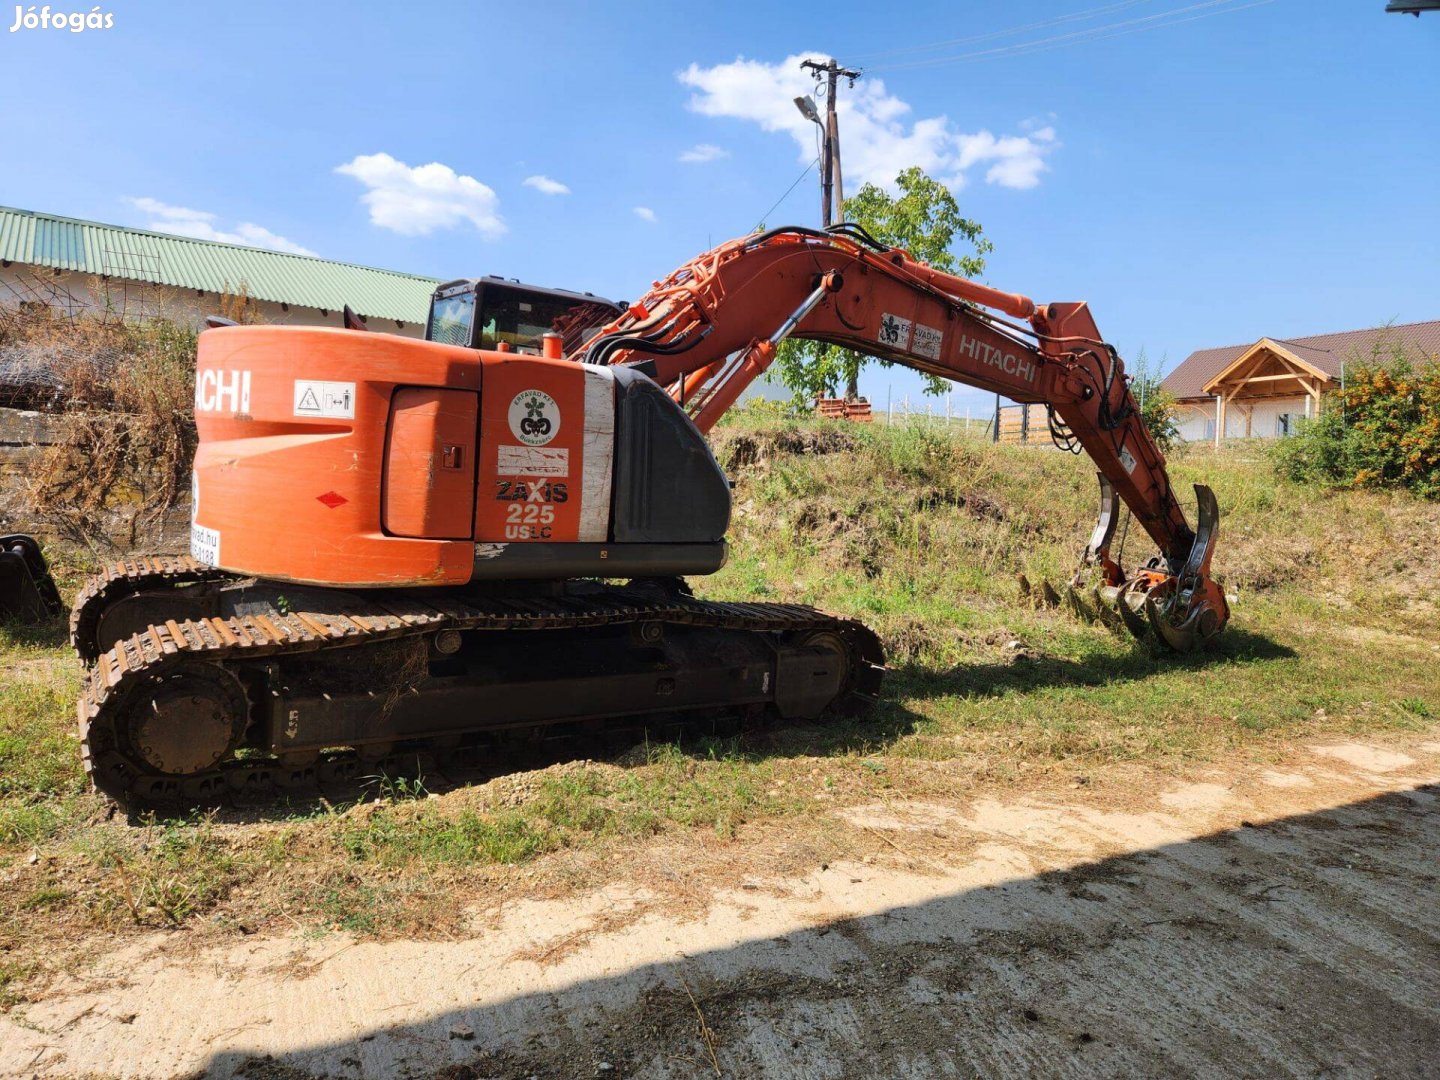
(500, 313)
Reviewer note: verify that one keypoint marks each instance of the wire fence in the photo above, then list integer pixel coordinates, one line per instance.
(940, 413)
(39, 373)
(55, 341)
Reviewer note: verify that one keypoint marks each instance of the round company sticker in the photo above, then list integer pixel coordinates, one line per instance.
(534, 417)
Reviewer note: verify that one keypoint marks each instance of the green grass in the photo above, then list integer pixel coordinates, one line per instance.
(715, 785)
(920, 535)
(12, 976)
(42, 783)
(392, 838)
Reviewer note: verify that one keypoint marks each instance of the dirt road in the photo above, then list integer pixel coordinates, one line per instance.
(1278, 921)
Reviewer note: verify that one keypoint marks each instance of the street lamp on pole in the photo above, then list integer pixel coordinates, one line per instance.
(806, 105)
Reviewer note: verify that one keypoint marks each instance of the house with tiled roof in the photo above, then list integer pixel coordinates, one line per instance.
(1263, 389)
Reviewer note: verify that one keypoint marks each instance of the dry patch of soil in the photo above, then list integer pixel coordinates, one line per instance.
(1266, 920)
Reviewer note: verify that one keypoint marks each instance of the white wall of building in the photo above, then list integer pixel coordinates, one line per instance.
(69, 293)
(1197, 421)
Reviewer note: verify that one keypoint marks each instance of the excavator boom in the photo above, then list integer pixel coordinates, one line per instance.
(711, 328)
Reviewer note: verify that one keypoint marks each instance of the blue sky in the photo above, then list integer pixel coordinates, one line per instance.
(1269, 168)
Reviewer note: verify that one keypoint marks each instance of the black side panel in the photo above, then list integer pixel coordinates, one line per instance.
(550, 561)
(668, 487)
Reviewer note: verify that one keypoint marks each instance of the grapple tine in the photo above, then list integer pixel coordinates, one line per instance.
(1207, 529)
(1191, 608)
(1099, 546)
(1075, 601)
(1130, 601)
(1083, 597)
(1105, 602)
(1182, 610)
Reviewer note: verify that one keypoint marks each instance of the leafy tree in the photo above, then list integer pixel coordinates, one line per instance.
(925, 220)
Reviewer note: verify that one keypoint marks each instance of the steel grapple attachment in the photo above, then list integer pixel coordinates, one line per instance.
(27, 591)
(1182, 611)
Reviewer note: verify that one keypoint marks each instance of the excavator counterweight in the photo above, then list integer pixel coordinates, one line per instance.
(405, 547)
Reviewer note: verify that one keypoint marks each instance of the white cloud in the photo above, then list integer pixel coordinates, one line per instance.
(644, 213)
(879, 137)
(1016, 160)
(417, 200)
(702, 153)
(546, 186)
(200, 224)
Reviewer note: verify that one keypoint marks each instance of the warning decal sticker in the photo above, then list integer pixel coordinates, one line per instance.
(332, 400)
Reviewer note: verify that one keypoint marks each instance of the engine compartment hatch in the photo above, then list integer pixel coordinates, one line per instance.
(429, 483)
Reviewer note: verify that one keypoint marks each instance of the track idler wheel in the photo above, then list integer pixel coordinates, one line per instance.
(860, 659)
(174, 730)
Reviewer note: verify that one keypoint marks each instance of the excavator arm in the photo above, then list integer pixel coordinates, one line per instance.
(711, 328)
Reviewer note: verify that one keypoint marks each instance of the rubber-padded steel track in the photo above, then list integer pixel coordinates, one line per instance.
(129, 670)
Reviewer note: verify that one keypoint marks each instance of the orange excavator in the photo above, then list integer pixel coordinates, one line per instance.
(452, 545)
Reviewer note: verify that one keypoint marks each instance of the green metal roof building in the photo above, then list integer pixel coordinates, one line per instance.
(29, 238)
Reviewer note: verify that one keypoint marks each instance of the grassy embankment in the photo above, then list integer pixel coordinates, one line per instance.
(919, 535)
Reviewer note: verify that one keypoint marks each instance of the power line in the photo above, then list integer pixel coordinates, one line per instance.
(1096, 33)
(1078, 16)
(1092, 34)
(788, 190)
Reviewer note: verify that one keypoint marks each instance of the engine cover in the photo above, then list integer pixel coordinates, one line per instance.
(340, 457)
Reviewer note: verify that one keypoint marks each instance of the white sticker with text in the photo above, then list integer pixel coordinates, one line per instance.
(894, 331)
(533, 461)
(927, 341)
(205, 545)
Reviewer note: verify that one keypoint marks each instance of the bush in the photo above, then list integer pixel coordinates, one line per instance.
(1156, 406)
(124, 392)
(1158, 414)
(1381, 431)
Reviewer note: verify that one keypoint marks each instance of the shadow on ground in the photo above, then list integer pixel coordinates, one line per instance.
(1303, 947)
(38, 634)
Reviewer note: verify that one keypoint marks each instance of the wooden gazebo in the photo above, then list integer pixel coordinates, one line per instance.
(1265, 371)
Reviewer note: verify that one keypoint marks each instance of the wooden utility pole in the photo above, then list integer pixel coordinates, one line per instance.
(832, 184)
